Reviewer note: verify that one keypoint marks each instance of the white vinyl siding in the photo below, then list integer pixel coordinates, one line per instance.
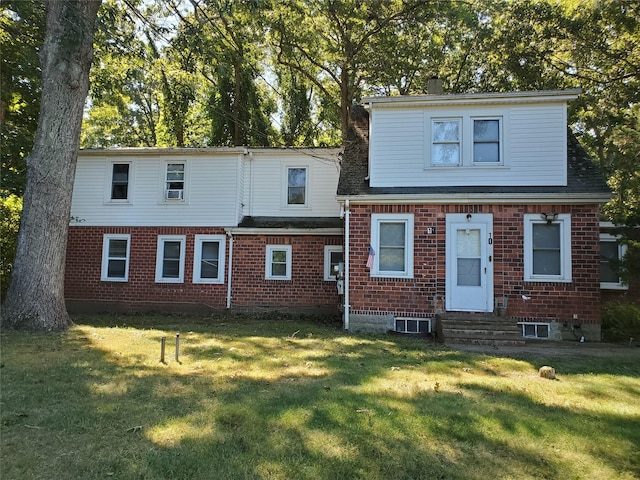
(115, 257)
(170, 259)
(268, 176)
(212, 191)
(209, 259)
(392, 241)
(532, 146)
(547, 249)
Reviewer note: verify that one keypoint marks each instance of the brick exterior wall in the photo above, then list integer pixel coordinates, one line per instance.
(85, 291)
(423, 295)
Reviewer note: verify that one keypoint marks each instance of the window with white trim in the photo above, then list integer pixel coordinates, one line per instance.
(534, 330)
(392, 241)
(611, 252)
(445, 141)
(174, 181)
(333, 255)
(486, 141)
(120, 181)
(115, 257)
(278, 262)
(297, 186)
(170, 259)
(547, 248)
(209, 256)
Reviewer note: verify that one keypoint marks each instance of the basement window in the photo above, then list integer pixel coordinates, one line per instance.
(412, 325)
(535, 330)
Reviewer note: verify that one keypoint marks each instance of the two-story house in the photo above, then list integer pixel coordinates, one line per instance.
(477, 203)
(197, 229)
(481, 203)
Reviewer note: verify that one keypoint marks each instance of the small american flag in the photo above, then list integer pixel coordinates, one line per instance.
(372, 253)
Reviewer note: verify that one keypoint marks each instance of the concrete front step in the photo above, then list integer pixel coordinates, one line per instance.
(478, 329)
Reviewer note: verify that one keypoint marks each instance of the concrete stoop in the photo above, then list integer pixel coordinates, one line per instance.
(478, 329)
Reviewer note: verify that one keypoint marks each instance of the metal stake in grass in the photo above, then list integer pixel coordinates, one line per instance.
(163, 341)
(177, 346)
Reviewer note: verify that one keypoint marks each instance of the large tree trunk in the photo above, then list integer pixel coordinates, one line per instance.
(35, 300)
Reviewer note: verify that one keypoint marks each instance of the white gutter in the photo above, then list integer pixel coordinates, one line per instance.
(478, 198)
(346, 264)
(230, 267)
(285, 231)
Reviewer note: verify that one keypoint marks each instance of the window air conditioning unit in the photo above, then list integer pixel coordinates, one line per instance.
(174, 194)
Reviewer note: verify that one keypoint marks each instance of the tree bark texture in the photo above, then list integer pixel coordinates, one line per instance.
(35, 300)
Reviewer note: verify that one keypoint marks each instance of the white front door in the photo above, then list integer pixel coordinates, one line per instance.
(469, 285)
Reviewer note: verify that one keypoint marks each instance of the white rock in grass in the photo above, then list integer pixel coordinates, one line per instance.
(547, 372)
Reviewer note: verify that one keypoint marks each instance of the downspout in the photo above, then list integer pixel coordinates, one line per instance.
(230, 267)
(346, 264)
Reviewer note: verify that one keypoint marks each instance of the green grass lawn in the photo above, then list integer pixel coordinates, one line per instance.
(285, 399)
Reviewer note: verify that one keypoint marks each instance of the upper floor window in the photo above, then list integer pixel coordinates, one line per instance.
(392, 244)
(611, 252)
(278, 262)
(170, 259)
(464, 141)
(115, 257)
(209, 255)
(445, 141)
(297, 186)
(120, 181)
(547, 248)
(486, 141)
(175, 181)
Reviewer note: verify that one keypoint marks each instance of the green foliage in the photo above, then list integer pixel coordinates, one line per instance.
(620, 321)
(10, 210)
(21, 35)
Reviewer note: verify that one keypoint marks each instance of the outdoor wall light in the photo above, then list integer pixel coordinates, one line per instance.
(549, 217)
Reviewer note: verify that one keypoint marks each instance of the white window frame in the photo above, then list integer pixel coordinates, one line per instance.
(622, 250)
(106, 239)
(285, 183)
(564, 220)
(268, 260)
(197, 258)
(418, 321)
(500, 141)
(160, 258)
(376, 220)
(108, 187)
(330, 276)
(524, 325)
(164, 183)
(459, 142)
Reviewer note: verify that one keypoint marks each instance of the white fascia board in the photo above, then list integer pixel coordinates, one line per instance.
(286, 231)
(545, 96)
(475, 198)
